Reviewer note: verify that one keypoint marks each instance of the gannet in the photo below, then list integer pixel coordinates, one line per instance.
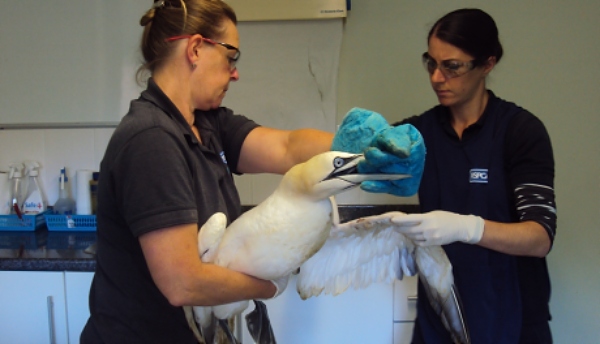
(279, 236)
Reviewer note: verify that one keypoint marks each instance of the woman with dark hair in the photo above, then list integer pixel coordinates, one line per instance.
(487, 191)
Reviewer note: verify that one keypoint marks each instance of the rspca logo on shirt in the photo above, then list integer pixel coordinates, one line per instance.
(223, 158)
(478, 175)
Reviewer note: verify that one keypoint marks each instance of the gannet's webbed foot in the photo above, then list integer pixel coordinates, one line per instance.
(259, 325)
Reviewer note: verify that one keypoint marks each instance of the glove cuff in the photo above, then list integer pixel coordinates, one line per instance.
(475, 232)
(277, 290)
(280, 285)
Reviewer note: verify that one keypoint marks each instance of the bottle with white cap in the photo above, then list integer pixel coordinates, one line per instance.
(4, 192)
(16, 188)
(35, 199)
(65, 205)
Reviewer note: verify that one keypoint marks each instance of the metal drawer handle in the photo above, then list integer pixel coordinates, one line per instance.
(50, 304)
(412, 298)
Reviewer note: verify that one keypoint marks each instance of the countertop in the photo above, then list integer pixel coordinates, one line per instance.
(44, 250)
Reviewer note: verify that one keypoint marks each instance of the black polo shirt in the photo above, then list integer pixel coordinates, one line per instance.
(156, 174)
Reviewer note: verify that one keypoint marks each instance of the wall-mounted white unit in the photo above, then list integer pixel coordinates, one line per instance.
(264, 10)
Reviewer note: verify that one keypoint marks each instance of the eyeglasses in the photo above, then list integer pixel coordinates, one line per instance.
(232, 60)
(449, 68)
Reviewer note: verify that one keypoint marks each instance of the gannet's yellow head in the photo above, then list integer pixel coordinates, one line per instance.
(328, 174)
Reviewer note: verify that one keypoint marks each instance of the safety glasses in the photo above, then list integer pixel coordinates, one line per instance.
(232, 59)
(449, 68)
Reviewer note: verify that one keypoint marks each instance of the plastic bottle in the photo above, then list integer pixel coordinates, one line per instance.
(16, 188)
(4, 193)
(65, 205)
(94, 191)
(35, 199)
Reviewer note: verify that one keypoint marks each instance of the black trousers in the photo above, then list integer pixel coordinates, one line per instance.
(536, 334)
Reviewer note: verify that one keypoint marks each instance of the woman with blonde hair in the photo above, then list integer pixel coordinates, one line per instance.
(167, 168)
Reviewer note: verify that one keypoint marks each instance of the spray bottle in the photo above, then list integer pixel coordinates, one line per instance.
(65, 205)
(34, 199)
(16, 188)
(4, 193)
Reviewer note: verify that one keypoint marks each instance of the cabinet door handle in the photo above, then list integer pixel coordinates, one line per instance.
(50, 304)
(412, 298)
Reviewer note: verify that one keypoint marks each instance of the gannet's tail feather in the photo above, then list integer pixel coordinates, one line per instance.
(205, 321)
(189, 316)
(357, 254)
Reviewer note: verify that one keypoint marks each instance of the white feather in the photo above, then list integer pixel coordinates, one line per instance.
(357, 254)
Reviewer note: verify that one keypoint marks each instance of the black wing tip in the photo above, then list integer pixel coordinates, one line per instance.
(259, 324)
(465, 338)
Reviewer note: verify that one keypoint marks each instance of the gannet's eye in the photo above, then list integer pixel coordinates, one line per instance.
(338, 162)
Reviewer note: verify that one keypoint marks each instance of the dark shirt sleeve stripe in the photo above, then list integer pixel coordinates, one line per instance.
(536, 202)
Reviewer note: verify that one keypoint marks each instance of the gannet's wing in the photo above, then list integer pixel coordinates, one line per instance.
(371, 250)
(435, 272)
(356, 254)
(209, 238)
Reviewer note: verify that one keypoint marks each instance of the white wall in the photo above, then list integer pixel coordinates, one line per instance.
(549, 67)
(68, 61)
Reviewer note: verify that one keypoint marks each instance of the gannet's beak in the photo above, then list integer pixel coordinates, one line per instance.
(346, 169)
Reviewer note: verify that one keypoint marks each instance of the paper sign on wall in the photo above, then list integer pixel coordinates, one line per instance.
(264, 10)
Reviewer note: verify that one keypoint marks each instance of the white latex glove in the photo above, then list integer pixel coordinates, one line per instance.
(280, 284)
(440, 227)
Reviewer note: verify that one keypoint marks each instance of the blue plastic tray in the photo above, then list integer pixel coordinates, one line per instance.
(26, 223)
(78, 223)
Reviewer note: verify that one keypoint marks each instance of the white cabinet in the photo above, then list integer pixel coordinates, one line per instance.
(405, 297)
(43, 307)
(403, 332)
(77, 289)
(32, 307)
(356, 316)
(381, 313)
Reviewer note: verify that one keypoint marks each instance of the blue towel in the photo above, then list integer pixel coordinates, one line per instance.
(387, 149)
